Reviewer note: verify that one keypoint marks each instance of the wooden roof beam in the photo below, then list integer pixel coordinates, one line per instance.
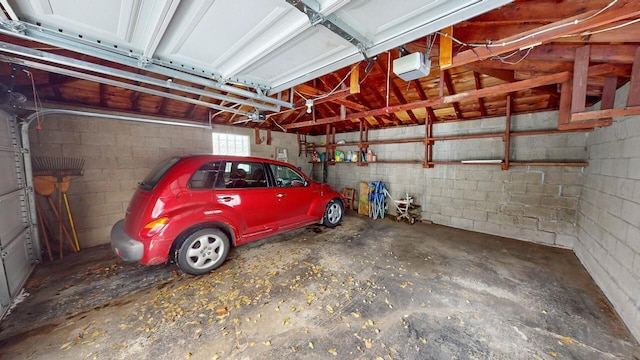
(476, 78)
(423, 96)
(446, 77)
(467, 95)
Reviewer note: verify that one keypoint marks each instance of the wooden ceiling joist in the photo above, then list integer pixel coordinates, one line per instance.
(467, 95)
(623, 9)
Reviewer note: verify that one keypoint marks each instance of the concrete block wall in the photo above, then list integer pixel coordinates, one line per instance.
(119, 154)
(609, 214)
(538, 204)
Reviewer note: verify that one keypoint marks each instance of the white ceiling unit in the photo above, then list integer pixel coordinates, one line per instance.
(266, 45)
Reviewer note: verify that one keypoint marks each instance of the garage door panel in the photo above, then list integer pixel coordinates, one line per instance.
(6, 140)
(17, 252)
(8, 180)
(17, 262)
(11, 223)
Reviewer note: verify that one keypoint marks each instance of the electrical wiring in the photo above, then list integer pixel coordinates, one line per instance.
(537, 33)
(320, 97)
(504, 58)
(587, 33)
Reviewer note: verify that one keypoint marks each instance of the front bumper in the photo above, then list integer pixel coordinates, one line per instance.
(123, 245)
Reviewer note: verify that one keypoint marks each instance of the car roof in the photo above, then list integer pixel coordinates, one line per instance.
(210, 157)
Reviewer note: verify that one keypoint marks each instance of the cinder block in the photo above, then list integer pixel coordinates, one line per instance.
(505, 219)
(474, 195)
(542, 189)
(540, 237)
(632, 238)
(112, 151)
(512, 209)
(634, 168)
(570, 190)
(92, 139)
(559, 202)
(486, 227)
(614, 225)
(441, 219)
(500, 176)
(489, 186)
(624, 255)
(514, 188)
(568, 215)
(631, 147)
(461, 223)
(528, 200)
(566, 241)
(452, 211)
(557, 227)
(542, 213)
(526, 178)
(510, 231)
(631, 212)
(497, 197)
(74, 150)
(474, 214)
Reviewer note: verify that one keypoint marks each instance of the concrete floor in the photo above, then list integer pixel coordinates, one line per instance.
(368, 289)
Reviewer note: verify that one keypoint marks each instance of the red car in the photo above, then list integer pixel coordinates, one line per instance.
(194, 208)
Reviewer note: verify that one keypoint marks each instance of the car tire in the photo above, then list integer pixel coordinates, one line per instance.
(202, 251)
(333, 213)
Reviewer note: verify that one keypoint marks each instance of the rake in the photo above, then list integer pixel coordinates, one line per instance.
(63, 169)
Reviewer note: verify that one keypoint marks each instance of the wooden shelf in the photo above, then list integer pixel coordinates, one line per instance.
(515, 163)
(429, 139)
(413, 162)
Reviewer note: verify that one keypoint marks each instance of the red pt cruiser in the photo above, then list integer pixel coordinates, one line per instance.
(194, 208)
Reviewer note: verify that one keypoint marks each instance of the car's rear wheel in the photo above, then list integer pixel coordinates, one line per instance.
(333, 213)
(202, 251)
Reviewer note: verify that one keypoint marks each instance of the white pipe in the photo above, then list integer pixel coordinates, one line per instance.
(33, 116)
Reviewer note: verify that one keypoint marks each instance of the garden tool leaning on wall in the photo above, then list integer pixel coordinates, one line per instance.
(49, 172)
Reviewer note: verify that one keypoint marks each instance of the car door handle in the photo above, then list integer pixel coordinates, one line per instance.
(280, 196)
(225, 199)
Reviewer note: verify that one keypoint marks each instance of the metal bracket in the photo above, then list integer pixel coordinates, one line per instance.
(144, 61)
(14, 26)
(311, 8)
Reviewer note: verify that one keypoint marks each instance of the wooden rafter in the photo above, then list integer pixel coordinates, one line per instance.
(476, 78)
(467, 95)
(623, 9)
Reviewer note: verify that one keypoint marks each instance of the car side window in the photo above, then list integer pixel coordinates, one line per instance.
(206, 177)
(287, 177)
(244, 174)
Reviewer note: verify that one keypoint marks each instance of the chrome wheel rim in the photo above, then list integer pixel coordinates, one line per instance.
(205, 251)
(334, 213)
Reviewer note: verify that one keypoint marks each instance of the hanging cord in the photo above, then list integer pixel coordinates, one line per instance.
(36, 100)
(388, 75)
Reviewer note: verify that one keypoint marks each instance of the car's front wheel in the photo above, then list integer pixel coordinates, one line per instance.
(333, 213)
(202, 251)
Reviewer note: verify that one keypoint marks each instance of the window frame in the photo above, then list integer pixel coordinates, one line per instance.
(230, 144)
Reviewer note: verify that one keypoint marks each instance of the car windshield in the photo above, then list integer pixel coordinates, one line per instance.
(157, 173)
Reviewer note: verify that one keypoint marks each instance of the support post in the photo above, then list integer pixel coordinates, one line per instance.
(507, 135)
(580, 75)
(428, 143)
